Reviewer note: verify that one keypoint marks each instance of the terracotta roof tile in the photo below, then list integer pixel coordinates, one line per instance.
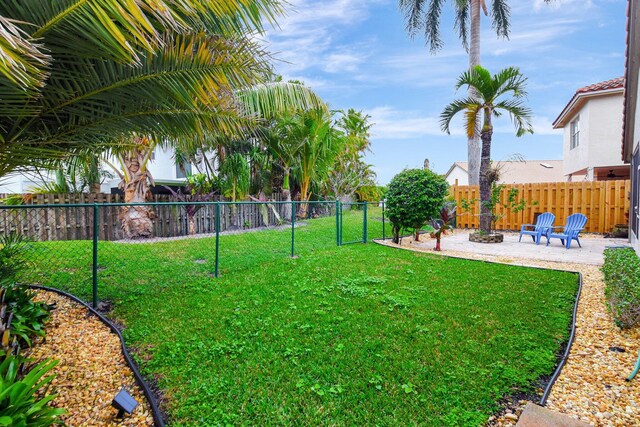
(617, 83)
(609, 84)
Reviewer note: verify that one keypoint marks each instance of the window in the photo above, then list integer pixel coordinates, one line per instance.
(183, 170)
(575, 133)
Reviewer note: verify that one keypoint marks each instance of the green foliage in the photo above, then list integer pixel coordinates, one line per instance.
(13, 247)
(414, 196)
(199, 183)
(622, 285)
(28, 316)
(24, 318)
(21, 397)
(348, 173)
(369, 193)
(235, 177)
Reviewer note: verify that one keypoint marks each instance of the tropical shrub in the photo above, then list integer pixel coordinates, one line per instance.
(12, 260)
(21, 401)
(22, 317)
(622, 285)
(414, 196)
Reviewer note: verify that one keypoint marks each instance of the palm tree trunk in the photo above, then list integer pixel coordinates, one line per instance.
(304, 198)
(473, 143)
(136, 221)
(234, 207)
(486, 212)
(286, 194)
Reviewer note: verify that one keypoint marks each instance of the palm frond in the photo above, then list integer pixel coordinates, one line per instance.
(270, 99)
(510, 80)
(461, 8)
(120, 29)
(454, 108)
(22, 60)
(500, 16)
(519, 113)
(413, 12)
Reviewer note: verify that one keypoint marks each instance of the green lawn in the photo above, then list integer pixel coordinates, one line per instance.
(352, 335)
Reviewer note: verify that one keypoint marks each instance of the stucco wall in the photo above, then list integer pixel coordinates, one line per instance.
(458, 173)
(605, 130)
(600, 135)
(576, 159)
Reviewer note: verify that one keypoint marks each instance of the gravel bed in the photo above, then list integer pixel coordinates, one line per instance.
(592, 386)
(92, 368)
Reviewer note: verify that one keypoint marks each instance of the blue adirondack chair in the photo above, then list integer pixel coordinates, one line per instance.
(575, 224)
(544, 223)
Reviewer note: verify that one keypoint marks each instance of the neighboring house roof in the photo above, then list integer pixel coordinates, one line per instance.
(631, 70)
(522, 172)
(461, 165)
(581, 96)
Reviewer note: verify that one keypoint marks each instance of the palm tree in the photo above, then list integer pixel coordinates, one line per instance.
(150, 66)
(424, 16)
(349, 172)
(167, 77)
(320, 145)
(236, 178)
(501, 92)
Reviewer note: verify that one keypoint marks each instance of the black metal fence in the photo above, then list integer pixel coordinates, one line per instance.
(90, 248)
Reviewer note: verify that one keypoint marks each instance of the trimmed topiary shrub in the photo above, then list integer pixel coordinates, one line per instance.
(414, 196)
(622, 285)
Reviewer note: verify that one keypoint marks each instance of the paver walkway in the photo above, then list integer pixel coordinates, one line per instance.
(590, 253)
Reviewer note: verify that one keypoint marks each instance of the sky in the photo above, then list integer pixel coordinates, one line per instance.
(357, 54)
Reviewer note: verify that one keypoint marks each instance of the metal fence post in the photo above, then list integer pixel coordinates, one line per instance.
(337, 223)
(217, 270)
(95, 255)
(364, 223)
(383, 235)
(293, 225)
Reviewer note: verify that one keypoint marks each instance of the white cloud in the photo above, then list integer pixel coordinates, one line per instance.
(540, 5)
(341, 62)
(391, 123)
(306, 37)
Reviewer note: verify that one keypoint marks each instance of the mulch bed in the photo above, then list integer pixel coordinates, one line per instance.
(92, 368)
(592, 386)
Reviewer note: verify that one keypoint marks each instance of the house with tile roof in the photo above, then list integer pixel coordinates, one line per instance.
(513, 172)
(591, 125)
(631, 118)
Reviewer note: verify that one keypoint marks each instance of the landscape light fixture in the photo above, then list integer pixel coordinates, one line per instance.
(124, 402)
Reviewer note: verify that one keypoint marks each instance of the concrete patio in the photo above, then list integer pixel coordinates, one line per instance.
(590, 252)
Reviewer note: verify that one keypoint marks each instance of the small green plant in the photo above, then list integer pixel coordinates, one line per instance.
(21, 401)
(414, 196)
(622, 285)
(512, 203)
(13, 247)
(442, 224)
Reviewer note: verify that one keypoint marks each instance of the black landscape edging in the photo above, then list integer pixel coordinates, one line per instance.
(569, 343)
(565, 356)
(155, 411)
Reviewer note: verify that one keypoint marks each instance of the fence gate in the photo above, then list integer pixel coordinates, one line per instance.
(352, 223)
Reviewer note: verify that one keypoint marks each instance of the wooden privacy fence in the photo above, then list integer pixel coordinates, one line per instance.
(76, 222)
(605, 203)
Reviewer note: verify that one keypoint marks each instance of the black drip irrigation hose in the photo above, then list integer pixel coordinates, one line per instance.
(572, 334)
(155, 411)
